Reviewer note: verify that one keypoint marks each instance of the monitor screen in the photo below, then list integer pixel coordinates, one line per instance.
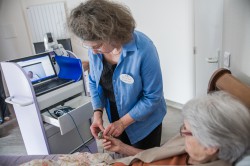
(38, 67)
(39, 46)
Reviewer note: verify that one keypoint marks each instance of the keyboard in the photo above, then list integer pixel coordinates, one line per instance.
(51, 85)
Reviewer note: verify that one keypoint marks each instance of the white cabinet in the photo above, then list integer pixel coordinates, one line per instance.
(42, 133)
(81, 113)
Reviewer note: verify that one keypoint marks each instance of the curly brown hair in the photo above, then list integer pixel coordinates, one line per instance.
(103, 20)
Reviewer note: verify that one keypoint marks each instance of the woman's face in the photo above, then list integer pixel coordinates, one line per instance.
(98, 46)
(194, 148)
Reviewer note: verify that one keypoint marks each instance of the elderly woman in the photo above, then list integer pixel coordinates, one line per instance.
(216, 131)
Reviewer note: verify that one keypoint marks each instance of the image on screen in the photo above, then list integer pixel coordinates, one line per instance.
(38, 68)
(35, 71)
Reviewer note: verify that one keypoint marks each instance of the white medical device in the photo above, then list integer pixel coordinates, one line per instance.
(51, 44)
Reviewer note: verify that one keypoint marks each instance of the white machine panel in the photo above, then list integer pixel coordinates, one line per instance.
(82, 112)
(53, 97)
(40, 130)
(27, 113)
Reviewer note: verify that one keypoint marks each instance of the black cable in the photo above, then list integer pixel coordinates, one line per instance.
(50, 113)
(78, 131)
(84, 144)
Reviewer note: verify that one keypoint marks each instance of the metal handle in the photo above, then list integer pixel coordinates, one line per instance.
(212, 60)
(20, 101)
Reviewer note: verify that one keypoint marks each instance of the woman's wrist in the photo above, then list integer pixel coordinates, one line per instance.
(126, 120)
(98, 110)
(128, 150)
(122, 124)
(98, 113)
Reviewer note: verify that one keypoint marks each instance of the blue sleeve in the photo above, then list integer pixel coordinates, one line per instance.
(94, 91)
(152, 85)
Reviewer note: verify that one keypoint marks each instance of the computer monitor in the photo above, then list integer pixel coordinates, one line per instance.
(38, 67)
(39, 46)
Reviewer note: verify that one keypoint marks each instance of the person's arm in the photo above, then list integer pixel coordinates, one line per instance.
(152, 84)
(115, 145)
(97, 124)
(95, 96)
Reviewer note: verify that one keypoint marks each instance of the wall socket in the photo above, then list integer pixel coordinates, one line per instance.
(226, 59)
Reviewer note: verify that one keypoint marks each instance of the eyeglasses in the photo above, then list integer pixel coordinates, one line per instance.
(101, 47)
(183, 132)
(97, 47)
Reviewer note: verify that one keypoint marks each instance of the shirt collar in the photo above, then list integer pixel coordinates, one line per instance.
(131, 46)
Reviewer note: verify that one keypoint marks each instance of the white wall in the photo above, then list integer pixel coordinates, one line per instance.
(168, 23)
(14, 40)
(237, 37)
(69, 4)
(13, 20)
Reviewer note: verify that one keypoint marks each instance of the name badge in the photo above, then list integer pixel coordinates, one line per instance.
(126, 78)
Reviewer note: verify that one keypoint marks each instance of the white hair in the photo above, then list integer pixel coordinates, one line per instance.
(220, 120)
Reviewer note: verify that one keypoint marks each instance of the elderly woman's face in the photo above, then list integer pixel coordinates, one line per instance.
(196, 151)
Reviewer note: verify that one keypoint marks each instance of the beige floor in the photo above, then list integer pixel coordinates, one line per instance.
(11, 142)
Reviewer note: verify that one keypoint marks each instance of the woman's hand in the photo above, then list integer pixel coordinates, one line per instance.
(112, 144)
(97, 124)
(115, 145)
(114, 129)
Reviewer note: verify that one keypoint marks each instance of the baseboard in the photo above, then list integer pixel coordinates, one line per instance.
(174, 104)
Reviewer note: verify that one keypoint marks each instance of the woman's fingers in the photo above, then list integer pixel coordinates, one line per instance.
(94, 131)
(106, 144)
(107, 147)
(114, 129)
(114, 133)
(101, 127)
(96, 126)
(111, 144)
(109, 131)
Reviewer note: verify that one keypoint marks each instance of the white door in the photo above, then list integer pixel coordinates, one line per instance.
(208, 24)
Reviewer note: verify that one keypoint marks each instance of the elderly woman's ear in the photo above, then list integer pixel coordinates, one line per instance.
(211, 150)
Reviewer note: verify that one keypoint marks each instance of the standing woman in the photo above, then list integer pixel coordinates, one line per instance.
(125, 75)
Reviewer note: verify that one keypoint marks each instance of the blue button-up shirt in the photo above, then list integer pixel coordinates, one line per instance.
(137, 84)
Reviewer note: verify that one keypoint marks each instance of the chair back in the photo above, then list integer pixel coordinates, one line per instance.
(222, 79)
